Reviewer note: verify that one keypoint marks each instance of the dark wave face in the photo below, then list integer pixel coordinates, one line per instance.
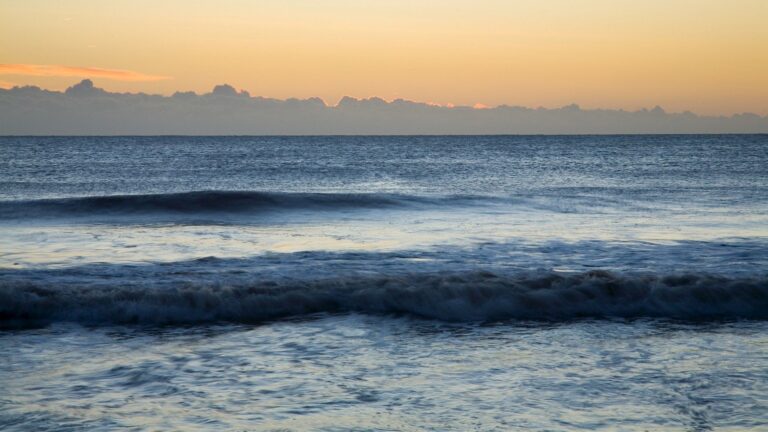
(467, 296)
(191, 203)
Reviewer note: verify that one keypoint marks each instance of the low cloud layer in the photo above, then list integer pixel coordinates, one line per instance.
(87, 110)
(72, 71)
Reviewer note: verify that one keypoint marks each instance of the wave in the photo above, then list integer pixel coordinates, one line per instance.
(213, 202)
(468, 296)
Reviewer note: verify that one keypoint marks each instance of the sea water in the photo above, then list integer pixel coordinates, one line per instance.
(384, 283)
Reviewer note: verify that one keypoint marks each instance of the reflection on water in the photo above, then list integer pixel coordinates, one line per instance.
(57, 244)
(342, 372)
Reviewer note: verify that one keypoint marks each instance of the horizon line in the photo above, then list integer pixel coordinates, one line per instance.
(426, 135)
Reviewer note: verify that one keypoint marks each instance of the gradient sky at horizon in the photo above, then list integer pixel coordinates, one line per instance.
(707, 56)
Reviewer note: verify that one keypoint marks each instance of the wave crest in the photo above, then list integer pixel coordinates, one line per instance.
(473, 296)
(213, 202)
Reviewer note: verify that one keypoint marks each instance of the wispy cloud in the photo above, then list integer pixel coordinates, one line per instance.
(74, 71)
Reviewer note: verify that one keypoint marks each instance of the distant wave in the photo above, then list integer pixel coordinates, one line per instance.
(468, 296)
(211, 202)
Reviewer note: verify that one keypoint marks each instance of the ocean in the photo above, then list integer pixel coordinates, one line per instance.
(405, 283)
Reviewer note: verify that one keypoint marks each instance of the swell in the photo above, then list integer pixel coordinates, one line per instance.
(469, 296)
(212, 202)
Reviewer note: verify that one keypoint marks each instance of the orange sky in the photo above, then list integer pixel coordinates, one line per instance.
(707, 56)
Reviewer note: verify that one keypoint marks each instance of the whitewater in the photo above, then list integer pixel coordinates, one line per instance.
(384, 283)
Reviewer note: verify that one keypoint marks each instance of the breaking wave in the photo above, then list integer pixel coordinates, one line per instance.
(213, 202)
(470, 296)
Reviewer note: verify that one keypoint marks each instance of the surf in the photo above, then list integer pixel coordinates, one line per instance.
(472, 296)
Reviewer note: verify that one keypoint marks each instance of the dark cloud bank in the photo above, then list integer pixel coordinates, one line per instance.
(86, 110)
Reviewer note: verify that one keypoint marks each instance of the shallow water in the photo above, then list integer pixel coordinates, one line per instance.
(354, 372)
(385, 283)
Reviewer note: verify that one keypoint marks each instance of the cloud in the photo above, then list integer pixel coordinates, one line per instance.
(84, 109)
(440, 105)
(73, 71)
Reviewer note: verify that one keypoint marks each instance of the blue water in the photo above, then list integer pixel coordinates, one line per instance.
(384, 283)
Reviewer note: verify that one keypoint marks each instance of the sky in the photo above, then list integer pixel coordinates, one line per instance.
(706, 56)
